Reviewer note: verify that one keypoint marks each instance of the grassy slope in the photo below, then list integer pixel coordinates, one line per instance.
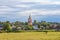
(30, 36)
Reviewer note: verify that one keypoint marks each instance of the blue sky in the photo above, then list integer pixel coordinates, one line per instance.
(19, 10)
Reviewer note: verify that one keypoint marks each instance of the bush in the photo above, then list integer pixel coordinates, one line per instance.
(28, 27)
(46, 30)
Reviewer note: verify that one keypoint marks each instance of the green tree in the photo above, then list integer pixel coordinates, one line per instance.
(18, 24)
(27, 27)
(35, 22)
(7, 22)
(26, 23)
(7, 26)
(45, 24)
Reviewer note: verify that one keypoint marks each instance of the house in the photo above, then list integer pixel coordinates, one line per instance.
(14, 28)
(35, 27)
(18, 28)
(1, 27)
(53, 26)
(58, 27)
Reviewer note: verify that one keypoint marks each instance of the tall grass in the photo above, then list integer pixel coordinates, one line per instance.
(30, 36)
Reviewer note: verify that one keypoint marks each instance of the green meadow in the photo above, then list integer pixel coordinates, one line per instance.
(30, 36)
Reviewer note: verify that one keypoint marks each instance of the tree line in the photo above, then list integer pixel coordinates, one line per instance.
(17, 26)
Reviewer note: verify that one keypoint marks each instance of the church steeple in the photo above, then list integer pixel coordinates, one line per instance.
(29, 20)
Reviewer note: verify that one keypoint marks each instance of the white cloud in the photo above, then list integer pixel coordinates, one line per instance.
(34, 0)
(6, 9)
(39, 12)
(23, 5)
(46, 3)
(26, 13)
(40, 1)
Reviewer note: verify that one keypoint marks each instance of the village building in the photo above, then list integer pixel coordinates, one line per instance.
(1, 26)
(30, 21)
(35, 26)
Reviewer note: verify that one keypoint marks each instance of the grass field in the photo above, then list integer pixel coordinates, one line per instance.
(30, 36)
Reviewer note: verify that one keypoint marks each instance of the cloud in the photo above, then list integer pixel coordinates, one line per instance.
(44, 2)
(23, 5)
(47, 7)
(39, 12)
(6, 10)
(18, 9)
(27, 7)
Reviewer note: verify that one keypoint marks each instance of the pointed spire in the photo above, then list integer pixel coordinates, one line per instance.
(29, 20)
(29, 15)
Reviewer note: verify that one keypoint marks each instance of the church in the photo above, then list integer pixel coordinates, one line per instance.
(30, 23)
(30, 20)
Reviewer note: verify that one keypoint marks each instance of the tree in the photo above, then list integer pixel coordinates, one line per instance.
(7, 26)
(18, 24)
(27, 27)
(45, 24)
(26, 23)
(7, 22)
(39, 25)
(35, 22)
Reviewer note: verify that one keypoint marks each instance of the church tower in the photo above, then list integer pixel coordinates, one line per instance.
(30, 20)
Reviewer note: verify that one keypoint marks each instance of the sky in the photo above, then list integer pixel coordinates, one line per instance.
(19, 10)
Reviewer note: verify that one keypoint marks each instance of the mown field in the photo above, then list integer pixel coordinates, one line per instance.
(30, 36)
